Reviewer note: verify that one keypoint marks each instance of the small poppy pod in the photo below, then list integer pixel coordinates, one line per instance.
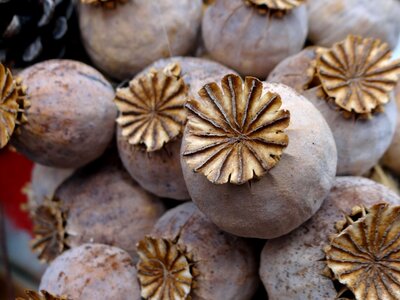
(242, 142)
(152, 118)
(123, 38)
(188, 257)
(391, 157)
(330, 21)
(92, 271)
(351, 84)
(347, 250)
(71, 117)
(97, 204)
(253, 36)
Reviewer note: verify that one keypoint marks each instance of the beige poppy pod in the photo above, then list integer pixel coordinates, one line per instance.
(258, 158)
(391, 157)
(330, 21)
(123, 40)
(150, 125)
(330, 257)
(72, 115)
(351, 84)
(252, 36)
(92, 271)
(99, 204)
(188, 257)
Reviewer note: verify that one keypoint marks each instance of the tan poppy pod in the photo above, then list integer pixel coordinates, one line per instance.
(391, 157)
(300, 258)
(92, 271)
(330, 21)
(101, 204)
(150, 125)
(123, 40)
(351, 84)
(71, 118)
(258, 158)
(188, 257)
(253, 36)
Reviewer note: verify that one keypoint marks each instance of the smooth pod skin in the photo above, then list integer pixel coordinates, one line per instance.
(92, 271)
(289, 194)
(160, 172)
(330, 21)
(291, 266)
(226, 264)
(391, 157)
(249, 42)
(104, 205)
(360, 142)
(122, 41)
(72, 114)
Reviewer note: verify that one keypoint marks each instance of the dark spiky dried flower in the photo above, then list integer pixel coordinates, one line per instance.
(358, 74)
(364, 256)
(165, 270)
(237, 133)
(104, 3)
(13, 103)
(43, 295)
(49, 230)
(152, 108)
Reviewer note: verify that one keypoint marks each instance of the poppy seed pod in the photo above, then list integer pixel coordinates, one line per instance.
(71, 118)
(340, 252)
(122, 40)
(92, 271)
(253, 36)
(152, 118)
(330, 21)
(240, 147)
(351, 84)
(188, 257)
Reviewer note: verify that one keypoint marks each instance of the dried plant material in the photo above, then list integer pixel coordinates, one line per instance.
(152, 108)
(12, 105)
(164, 270)
(358, 74)
(277, 4)
(382, 176)
(104, 3)
(49, 230)
(43, 295)
(365, 256)
(237, 133)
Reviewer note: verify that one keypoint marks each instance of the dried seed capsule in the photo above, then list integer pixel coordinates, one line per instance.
(152, 118)
(299, 257)
(112, 40)
(351, 84)
(201, 261)
(253, 36)
(42, 295)
(92, 271)
(330, 21)
(71, 118)
(239, 151)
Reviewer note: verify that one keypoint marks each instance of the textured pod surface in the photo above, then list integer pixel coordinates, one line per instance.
(71, 118)
(225, 265)
(256, 42)
(364, 256)
(298, 258)
(106, 206)
(330, 21)
(354, 136)
(92, 271)
(167, 28)
(390, 159)
(107, 4)
(281, 200)
(160, 171)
